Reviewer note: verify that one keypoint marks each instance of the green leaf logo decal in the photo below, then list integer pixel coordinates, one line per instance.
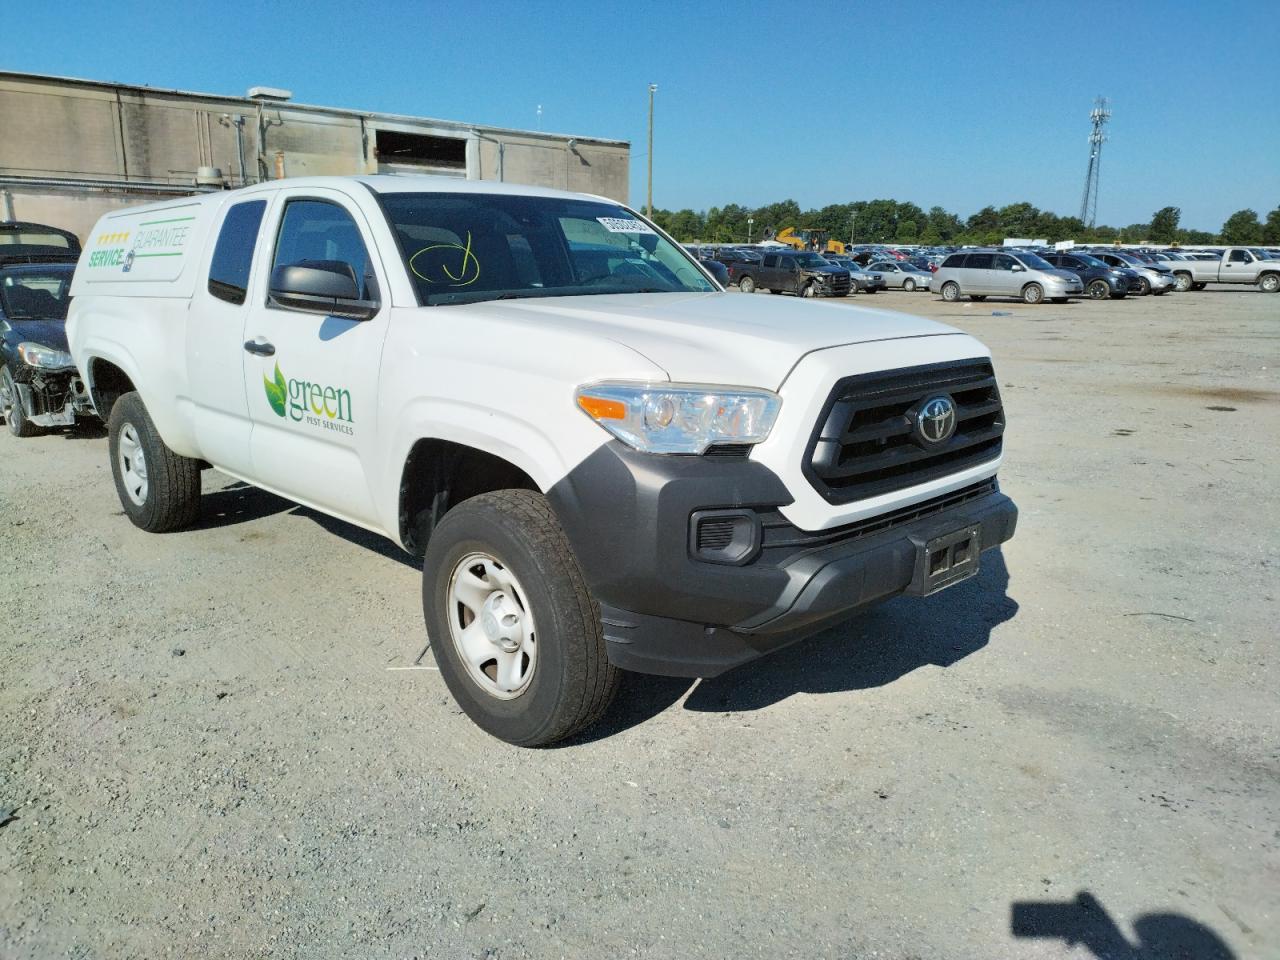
(277, 391)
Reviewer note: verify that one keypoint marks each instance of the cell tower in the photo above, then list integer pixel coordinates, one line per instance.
(1089, 205)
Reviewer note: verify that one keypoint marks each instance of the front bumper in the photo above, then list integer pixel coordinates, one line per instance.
(666, 611)
(51, 398)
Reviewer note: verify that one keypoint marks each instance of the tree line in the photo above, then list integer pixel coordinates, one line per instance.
(891, 221)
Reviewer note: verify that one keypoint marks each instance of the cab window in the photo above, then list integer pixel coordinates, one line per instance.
(1241, 256)
(314, 230)
(233, 254)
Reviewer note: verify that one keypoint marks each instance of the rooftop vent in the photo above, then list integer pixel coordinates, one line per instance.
(269, 93)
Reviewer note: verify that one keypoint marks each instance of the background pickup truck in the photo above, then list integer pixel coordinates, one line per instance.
(1238, 265)
(801, 273)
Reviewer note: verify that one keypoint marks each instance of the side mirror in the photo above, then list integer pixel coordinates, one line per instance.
(326, 287)
(1019, 268)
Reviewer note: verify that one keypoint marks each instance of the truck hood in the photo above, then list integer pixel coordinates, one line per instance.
(711, 337)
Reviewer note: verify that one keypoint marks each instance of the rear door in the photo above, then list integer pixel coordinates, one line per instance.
(215, 338)
(311, 379)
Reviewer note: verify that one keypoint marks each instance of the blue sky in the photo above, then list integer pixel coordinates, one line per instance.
(957, 104)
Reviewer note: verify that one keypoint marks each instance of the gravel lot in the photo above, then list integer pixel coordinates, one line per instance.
(214, 747)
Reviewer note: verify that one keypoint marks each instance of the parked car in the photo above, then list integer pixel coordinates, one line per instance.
(997, 273)
(1100, 280)
(863, 282)
(584, 498)
(717, 270)
(39, 384)
(901, 275)
(1238, 265)
(729, 255)
(1150, 280)
(800, 272)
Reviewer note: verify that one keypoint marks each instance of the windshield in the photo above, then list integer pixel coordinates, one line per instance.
(1089, 261)
(36, 292)
(811, 260)
(1129, 259)
(1034, 262)
(465, 247)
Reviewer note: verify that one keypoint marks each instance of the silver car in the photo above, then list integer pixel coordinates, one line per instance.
(979, 274)
(904, 276)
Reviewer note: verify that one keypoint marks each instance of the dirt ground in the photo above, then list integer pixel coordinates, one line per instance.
(214, 746)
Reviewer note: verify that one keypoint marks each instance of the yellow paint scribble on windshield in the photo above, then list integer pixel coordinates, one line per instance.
(468, 270)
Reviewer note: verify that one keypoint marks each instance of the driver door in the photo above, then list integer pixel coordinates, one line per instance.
(312, 378)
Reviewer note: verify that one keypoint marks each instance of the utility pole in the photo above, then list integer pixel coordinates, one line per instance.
(751, 222)
(653, 88)
(1089, 203)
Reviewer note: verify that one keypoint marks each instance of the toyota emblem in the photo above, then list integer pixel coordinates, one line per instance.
(936, 420)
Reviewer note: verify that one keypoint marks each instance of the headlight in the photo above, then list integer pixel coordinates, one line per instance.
(679, 417)
(36, 355)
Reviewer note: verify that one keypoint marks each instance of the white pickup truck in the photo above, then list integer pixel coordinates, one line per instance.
(1238, 265)
(606, 460)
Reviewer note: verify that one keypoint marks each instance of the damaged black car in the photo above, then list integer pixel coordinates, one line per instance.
(39, 384)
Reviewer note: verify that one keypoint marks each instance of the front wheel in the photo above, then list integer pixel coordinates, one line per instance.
(513, 627)
(1182, 282)
(950, 291)
(747, 285)
(1032, 293)
(1144, 286)
(159, 489)
(807, 290)
(1099, 290)
(909, 285)
(14, 415)
(1269, 283)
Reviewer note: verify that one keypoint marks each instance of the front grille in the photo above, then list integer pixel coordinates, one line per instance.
(837, 284)
(865, 442)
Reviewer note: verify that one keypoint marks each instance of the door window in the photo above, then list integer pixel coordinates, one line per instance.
(788, 263)
(233, 254)
(319, 230)
(1003, 262)
(979, 261)
(1240, 256)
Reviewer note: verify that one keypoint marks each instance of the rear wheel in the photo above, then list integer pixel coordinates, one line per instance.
(747, 285)
(1099, 290)
(14, 415)
(513, 627)
(909, 285)
(159, 489)
(1270, 283)
(951, 291)
(1032, 293)
(1182, 282)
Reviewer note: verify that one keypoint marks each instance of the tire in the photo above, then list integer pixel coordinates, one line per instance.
(1182, 282)
(950, 291)
(747, 285)
(162, 496)
(568, 680)
(909, 285)
(1099, 290)
(1269, 282)
(1144, 286)
(1033, 293)
(807, 291)
(14, 415)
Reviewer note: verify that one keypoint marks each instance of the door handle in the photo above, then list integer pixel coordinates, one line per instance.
(261, 347)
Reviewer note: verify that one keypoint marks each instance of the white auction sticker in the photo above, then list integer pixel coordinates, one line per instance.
(623, 225)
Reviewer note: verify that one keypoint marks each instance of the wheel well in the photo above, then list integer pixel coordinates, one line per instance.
(440, 474)
(107, 383)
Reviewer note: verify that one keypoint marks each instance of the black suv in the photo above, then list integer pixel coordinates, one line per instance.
(1101, 280)
(39, 385)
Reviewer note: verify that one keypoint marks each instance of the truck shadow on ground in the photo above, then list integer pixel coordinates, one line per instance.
(874, 649)
(1085, 922)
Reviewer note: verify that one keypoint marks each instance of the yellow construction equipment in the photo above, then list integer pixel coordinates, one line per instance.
(818, 240)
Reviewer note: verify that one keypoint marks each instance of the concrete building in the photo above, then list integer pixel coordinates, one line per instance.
(72, 149)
